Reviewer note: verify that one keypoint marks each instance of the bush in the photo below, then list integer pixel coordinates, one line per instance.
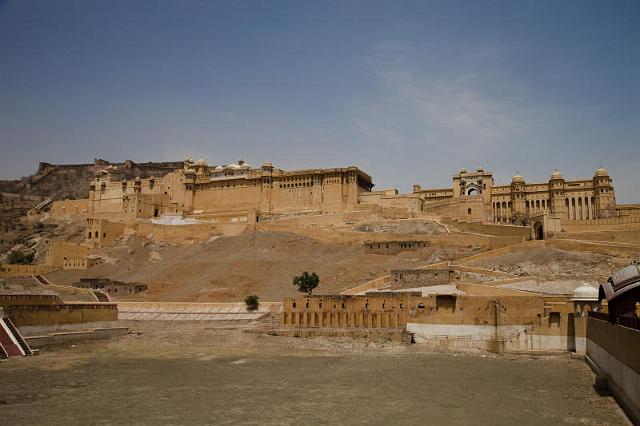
(18, 257)
(306, 282)
(252, 302)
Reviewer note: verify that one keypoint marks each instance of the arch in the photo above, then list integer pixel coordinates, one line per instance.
(538, 230)
(472, 190)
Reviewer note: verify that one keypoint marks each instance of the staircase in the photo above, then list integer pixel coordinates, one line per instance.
(11, 341)
(16, 334)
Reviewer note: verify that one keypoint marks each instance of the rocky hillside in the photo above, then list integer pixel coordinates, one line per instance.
(59, 182)
(71, 181)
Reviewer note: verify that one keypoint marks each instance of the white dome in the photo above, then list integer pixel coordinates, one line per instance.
(601, 171)
(517, 178)
(585, 293)
(556, 174)
(201, 162)
(218, 168)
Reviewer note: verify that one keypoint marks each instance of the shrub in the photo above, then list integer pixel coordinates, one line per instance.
(252, 302)
(18, 257)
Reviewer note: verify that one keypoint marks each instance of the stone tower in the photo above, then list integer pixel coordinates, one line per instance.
(556, 194)
(605, 198)
(518, 207)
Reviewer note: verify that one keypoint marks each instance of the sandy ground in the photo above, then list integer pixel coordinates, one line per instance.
(204, 373)
(228, 269)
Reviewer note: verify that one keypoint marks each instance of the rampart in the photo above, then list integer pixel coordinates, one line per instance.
(65, 209)
(7, 270)
(68, 313)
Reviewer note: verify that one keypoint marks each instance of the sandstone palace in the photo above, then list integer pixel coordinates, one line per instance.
(202, 191)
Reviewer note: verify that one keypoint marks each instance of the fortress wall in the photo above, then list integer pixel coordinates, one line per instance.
(29, 299)
(28, 315)
(314, 219)
(226, 198)
(296, 198)
(59, 251)
(470, 209)
(614, 223)
(350, 237)
(494, 229)
(66, 208)
(102, 231)
(176, 233)
(24, 270)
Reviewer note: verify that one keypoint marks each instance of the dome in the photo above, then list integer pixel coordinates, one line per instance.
(218, 168)
(601, 171)
(556, 174)
(517, 178)
(201, 162)
(585, 293)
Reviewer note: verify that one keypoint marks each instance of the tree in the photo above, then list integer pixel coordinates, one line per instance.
(17, 257)
(252, 302)
(306, 282)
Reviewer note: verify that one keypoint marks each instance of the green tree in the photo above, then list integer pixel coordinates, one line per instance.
(252, 302)
(18, 257)
(306, 282)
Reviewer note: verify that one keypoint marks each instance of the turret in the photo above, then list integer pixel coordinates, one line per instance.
(604, 196)
(519, 211)
(556, 193)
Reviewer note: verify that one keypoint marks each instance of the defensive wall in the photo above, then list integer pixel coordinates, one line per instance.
(60, 251)
(28, 310)
(613, 353)
(492, 229)
(7, 270)
(65, 209)
(350, 237)
(506, 321)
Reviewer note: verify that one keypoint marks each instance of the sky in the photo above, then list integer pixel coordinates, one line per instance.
(408, 91)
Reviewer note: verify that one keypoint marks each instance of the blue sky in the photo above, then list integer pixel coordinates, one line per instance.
(408, 91)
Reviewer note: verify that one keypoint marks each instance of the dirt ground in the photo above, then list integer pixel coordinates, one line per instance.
(227, 269)
(553, 264)
(209, 373)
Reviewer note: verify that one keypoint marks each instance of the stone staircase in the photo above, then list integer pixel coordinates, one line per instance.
(11, 341)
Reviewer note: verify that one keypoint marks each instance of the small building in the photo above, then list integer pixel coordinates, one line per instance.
(411, 278)
(111, 287)
(393, 247)
(82, 263)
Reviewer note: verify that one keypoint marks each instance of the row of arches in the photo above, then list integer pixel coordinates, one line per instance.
(501, 211)
(580, 208)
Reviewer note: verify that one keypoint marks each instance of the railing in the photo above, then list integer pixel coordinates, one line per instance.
(599, 315)
(629, 322)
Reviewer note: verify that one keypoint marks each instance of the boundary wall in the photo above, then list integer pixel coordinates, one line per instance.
(613, 354)
(7, 270)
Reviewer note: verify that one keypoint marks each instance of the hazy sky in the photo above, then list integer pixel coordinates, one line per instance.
(408, 91)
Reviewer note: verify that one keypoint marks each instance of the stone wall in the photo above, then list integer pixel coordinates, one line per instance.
(411, 278)
(613, 353)
(7, 270)
(65, 209)
(60, 251)
(27, 315)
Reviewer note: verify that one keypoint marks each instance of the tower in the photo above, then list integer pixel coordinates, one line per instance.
(604, 196)
(556, 194)
(518, 208)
